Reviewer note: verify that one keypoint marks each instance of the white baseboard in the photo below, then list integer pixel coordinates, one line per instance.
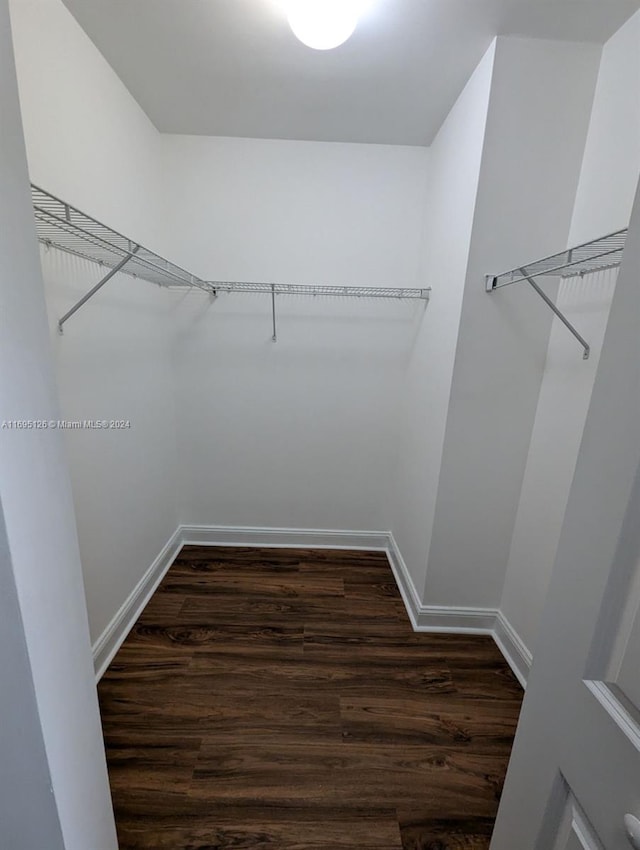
(457, 620)
(306, 538)
(424, 618)
(436, 618)
(454, 620)
(511, 645)
(114, 635)
(403, 578)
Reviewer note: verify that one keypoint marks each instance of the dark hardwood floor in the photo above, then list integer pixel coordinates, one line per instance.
(278, 699)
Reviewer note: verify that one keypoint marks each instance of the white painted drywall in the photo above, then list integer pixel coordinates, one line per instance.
(454, 171)
(538, 117)
(39, 544)
(300, 433)
(610, 170)
(87, 139)
(114, 363)
(89, 142)
(612, 155)
(25, 780)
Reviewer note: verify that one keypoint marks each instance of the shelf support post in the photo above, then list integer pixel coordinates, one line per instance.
(98, 286)
(274, 338)
(561, 316)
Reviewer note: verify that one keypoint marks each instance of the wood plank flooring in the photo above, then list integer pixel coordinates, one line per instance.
(278, 699)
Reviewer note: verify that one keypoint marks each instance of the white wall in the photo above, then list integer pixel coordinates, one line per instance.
(611, 163)
(39, 559)
(114, 363)
(610, 171)
(538, 117)
(300, 433)
(90, 143)
(25, 779)
(454, 171)
(87, 139)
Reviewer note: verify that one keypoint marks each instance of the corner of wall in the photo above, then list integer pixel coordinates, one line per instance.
(502, 343)
(455, 161)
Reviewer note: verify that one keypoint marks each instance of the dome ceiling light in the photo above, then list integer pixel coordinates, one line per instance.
(323, 24)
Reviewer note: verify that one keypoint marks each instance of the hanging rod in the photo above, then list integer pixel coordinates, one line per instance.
(595, 256)
(62, 226)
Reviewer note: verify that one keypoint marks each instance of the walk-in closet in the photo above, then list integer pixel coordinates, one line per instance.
(304, 350)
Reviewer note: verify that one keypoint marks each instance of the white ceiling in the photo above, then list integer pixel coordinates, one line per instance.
(233, 67)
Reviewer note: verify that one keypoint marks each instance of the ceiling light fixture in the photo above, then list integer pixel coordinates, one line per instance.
(323, 24)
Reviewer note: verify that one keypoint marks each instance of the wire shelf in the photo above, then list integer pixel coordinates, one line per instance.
(61, 226)
(327, 291)
(594, 256)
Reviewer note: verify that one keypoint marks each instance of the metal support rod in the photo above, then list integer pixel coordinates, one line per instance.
(98, 286)
(273, 312)
(563, 319)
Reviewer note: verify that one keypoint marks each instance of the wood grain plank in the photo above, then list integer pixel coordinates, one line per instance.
(445, 721)
(446, 834)
(352, 774)
(247, 828)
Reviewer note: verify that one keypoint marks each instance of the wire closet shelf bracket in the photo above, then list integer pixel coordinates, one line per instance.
(62, 226)
(595, 256)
